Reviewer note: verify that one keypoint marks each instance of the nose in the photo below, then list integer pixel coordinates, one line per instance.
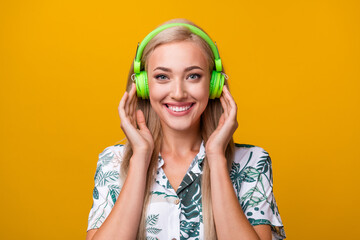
(178, 91)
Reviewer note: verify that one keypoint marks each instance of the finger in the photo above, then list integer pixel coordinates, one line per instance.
(121, 107)
(131, 99)
(127, 103)
(224, 105)
(227, 100)
(133, 114)
(231, 102)
(122, 114)
(133, 102)
(221, 121)
(229, 97)
(140, 118)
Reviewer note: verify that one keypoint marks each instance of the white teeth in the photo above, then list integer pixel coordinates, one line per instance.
(178, 109)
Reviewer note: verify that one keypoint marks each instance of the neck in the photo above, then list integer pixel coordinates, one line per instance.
(181, 142)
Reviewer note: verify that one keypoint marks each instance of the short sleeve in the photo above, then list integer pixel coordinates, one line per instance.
(253, 182)
(107, 185)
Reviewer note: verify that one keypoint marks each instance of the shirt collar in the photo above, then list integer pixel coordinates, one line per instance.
(200, 156)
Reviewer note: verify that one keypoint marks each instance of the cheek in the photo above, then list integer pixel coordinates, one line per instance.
(202, 95)
(156, 92)
(203, 91)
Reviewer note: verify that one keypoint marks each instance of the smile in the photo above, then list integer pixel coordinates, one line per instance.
(182, 109)
(179, 109)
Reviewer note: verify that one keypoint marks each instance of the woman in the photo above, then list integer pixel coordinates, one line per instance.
(161, 184)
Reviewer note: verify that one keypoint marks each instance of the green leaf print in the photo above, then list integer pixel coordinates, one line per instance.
(189, 229)
(114, 192)
(168, 185)
(263, 165)
(272, 206)
(113, 195)
(162, 193)
(191, 209)
(152, 219)
(249, 200)
(254, 201)
(96, 193)
(115, 187)
(191, 206)
(235, 170)
(270, 170)
(188, 179)
(98, 169)
(244, 205)
(244, 145)
(106, 157)
(152, 238)
(237, 175)
(248, 194)
(98, 220)
(153, 230)
(254, 222)
(249, 174)
(103, 178)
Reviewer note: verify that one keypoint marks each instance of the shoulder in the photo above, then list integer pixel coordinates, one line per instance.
(111, 155)
(107, 184)
(251, 175)
(249, 163)
(250, 155)
(108, 164)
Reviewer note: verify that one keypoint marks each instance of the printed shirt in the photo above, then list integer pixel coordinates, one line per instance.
(178, 215)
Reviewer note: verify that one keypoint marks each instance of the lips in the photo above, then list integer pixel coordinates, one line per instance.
(179, 107)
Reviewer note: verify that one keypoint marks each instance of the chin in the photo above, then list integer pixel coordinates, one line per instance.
(179, 125)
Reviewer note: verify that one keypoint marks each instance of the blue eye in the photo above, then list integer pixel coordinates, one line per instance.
(195, 76)
(160, 77)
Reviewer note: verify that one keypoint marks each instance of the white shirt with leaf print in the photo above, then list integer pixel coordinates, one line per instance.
(178, 215)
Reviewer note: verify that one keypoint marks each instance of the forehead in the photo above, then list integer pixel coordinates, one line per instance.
(177, 55)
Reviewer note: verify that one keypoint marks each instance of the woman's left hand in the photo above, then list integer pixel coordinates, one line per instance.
(219, 139)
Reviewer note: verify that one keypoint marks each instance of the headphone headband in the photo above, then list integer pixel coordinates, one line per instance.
(193, 29)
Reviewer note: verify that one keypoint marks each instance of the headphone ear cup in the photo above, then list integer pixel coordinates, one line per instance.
(221, 84)
(216, 84)
(142, 87)
(211, 88)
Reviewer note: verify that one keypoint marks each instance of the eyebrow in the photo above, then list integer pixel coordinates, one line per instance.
(186, 69)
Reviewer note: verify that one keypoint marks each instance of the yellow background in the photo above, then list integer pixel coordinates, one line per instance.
(294, 72)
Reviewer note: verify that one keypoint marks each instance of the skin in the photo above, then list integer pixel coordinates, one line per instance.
(173, 84)
(170, 83)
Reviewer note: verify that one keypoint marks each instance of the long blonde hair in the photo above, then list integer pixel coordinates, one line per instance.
(209, 122)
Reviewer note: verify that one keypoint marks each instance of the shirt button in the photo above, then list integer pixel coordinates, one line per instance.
(176, 202)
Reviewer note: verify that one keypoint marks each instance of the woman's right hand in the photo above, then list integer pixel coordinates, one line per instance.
(141, 140)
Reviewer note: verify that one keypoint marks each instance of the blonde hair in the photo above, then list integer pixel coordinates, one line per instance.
(209, 121)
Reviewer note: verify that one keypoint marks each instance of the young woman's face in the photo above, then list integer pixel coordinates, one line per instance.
(179, 78)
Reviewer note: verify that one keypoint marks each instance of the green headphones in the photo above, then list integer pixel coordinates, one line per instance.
(141, 80)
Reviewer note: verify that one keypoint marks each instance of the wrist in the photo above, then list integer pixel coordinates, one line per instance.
(215, 154)
(144, 153)
(138, 169)
(216, 161)
(215, 151)
(140, 162)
